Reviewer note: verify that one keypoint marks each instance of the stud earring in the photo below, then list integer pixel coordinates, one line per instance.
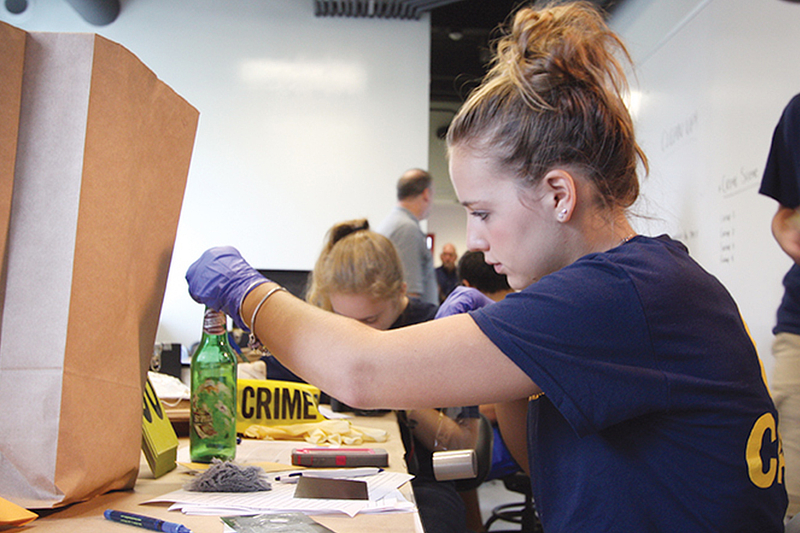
(562, 214)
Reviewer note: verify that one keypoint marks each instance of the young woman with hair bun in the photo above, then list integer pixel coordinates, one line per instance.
(645, 405)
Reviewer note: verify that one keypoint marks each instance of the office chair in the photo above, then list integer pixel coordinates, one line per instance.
(522, 513)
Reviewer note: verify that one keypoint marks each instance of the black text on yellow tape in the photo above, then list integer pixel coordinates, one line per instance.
(270, 403)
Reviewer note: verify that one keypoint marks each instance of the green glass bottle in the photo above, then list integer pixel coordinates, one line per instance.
(212, 427)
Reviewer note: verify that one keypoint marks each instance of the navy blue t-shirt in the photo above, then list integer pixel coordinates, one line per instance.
(415, 312)
(655, 414)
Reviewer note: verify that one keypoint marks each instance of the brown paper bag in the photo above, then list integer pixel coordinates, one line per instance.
(12, 56)
(102, 157)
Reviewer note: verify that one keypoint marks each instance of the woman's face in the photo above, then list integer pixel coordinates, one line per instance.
(519, 237)
(374, 312)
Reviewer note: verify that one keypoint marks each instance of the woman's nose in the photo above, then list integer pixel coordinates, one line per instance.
(475, 243)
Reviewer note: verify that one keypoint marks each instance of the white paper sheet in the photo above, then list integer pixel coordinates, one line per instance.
(384, 496)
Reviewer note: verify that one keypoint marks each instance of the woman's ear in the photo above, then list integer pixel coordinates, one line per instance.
(560, 194)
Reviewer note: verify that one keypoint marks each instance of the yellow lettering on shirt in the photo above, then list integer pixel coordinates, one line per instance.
(764, 475)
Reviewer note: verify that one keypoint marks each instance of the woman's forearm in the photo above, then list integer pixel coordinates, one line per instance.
(786, 230)
(441, 362)
(437, 431)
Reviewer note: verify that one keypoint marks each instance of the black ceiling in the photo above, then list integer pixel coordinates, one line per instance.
(457, 65)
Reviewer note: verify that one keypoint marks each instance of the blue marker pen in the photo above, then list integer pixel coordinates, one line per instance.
(146, 522)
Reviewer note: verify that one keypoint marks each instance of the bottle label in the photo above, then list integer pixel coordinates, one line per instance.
(211, 414)
(214, 322)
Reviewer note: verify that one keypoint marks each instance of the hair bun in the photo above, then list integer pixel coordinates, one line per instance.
(555, 97)
(343, 229)
(557, 46)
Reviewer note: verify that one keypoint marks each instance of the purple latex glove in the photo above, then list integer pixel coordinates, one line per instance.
(462, 300)
(221, 279)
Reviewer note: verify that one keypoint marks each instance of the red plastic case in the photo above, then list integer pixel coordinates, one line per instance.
(333, 457)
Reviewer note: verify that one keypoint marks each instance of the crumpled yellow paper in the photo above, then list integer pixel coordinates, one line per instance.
(334, 432)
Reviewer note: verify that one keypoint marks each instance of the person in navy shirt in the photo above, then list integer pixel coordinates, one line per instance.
(645, 405)
(781, 182)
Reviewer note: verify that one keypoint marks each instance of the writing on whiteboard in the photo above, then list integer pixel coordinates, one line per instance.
(678, 132)
(743, 180)
(686, 236)
(727, 234)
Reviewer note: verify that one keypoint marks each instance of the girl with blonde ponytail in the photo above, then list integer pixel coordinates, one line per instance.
(631, 385)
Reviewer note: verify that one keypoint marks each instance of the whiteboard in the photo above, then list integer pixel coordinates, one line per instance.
(304, 121)
(706, 100)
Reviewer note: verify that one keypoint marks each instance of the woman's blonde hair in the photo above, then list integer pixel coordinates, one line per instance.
(355, 260)
(554, 97)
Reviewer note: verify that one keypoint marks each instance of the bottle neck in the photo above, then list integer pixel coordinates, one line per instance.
(214, 323)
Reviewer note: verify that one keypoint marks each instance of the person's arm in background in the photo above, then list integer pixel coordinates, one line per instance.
(489, 412)
(512, 419)
(786, 230)
(436, 431)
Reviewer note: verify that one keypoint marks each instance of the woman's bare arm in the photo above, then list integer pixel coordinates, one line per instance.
(437, 431)
(441, 363)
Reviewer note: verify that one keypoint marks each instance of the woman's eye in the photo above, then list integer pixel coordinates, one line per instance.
(480, 215)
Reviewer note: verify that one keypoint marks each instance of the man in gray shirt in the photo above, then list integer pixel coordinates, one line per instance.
(414, 201)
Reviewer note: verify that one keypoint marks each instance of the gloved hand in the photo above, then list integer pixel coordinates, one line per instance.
(462, 300)
(221, 279)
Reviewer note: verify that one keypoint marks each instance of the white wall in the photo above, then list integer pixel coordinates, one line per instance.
(304, 121)
(448, 219)
(712, 77)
